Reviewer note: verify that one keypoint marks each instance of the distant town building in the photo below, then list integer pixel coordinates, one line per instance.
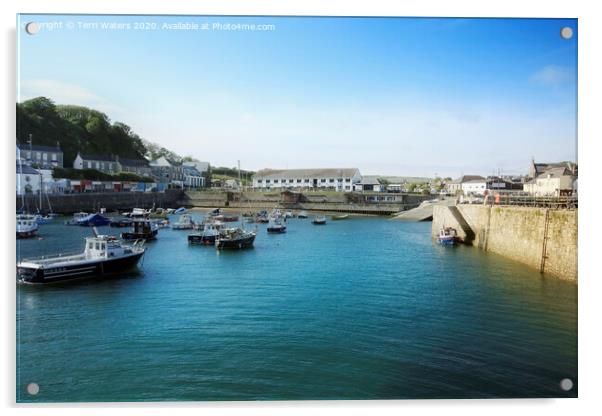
(192, 177)
(369, 183)
(452, 187)
(42, 156)
(536, 169)
(474, 187)
(102, 163)
(29, 180)
(138, 167)
(231, 184)
(166, 172)
(204, 168)
(337, 179)
(555, 181)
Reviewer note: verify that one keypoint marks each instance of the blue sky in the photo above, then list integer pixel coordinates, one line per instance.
(396, 96)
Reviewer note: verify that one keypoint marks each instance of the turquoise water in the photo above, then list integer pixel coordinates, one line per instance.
(358, 309)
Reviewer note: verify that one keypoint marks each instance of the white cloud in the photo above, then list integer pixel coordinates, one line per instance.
(552, 75)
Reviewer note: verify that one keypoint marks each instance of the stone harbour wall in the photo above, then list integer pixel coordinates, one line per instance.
(545, 239)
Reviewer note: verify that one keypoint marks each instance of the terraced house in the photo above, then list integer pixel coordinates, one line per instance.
(336, 179)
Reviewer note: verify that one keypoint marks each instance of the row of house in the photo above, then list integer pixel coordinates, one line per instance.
(542, 180)
(193, 174)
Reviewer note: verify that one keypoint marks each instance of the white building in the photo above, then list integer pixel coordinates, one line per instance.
(558, 181)
(369, 183)
(29, 180)
(103, 163)
(337, 179)
(192, 177)
(474, 187)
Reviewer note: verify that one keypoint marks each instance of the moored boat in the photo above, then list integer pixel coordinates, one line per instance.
(185, 222)
(319, 220)
(339, 217)
(180, 210)
(235, 239)
(229, 218)
(103, 255)
(94, 220)
(210, 231)
(27, 226)
(447, 236)
(77, 217)
(142, 229)
(121, 222)
(276, 226)
(302, 214)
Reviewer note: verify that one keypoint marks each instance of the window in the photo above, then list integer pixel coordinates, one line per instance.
(290, 181)
(53, 157)
(90, 246)
(38, 156)
(322, 180)
(102, 165)
(347, 180)
(45, 156)
(89, 164)
(275, 180)
(97, 165)
(298, 180)
(259, 180)
(306, 181)
(331, 180)
(267, 181)
(340, 179)
(97, 246)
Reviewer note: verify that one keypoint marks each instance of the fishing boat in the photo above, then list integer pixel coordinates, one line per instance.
(162, 223)
(319, 220)
(302, 214)
(339, 217)
(214, 212)
(77, 217)
(43, 219)
(235, 239)
(121, 222)
(27, 226)
(288, 214)
(276, 226)
(447, 236)
(229, 218)
(180, 210)
(207, 236)
(142, 229)
(137, 213)
(103, 255)
(185, 222)
(94, 220)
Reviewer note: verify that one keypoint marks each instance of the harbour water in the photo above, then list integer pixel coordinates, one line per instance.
(364, 308)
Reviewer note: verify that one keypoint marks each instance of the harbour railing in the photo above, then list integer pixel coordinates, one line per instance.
(552, 202)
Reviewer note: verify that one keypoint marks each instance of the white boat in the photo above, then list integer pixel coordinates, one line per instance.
(103, 255)
(77, 218)
(180, 210)
(27, 226)
(43, 219)
(185, 222)
(211, 230)
(276, 226)
(447, 236)
(137, 213)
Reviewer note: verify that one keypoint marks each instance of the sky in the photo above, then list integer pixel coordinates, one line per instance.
(390, 96)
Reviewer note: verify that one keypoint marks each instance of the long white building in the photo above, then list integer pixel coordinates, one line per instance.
(336, 179)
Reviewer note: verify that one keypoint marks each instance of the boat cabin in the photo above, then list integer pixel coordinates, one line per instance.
(104, 246)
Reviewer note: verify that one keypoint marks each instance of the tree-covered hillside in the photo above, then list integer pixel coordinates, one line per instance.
(76, 129)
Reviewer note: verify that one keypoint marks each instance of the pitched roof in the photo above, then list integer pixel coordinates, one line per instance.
(306, 173)
(133, 162)
(103, 158)
(475, 181)
(369, 180)
(471, 178)
(555, 172)
(39, 148)
(190, 171)
(26, 169)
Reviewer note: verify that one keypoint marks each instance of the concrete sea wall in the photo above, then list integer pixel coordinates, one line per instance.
(310, 201)
(91, 202)
(542, 238)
